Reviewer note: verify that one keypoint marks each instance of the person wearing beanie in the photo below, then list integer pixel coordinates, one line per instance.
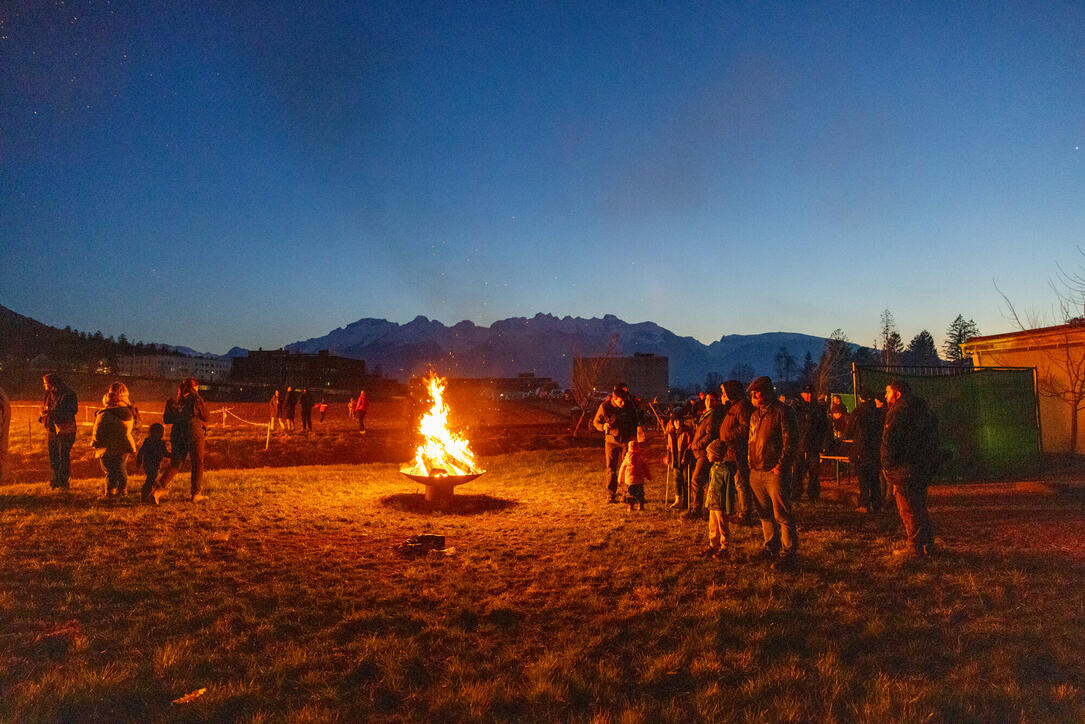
(719, 500)
(771, 450)
(735, 432)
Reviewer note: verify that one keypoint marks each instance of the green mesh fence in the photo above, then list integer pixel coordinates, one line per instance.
(987, 417)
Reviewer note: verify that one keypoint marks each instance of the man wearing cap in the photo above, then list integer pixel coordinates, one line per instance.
(707, 430)
(813, 432)
(773, 433)
(618, 420)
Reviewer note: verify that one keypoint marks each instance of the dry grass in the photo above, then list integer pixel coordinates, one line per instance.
(284, 598)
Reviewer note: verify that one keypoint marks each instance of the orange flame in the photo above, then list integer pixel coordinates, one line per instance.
(442, 451)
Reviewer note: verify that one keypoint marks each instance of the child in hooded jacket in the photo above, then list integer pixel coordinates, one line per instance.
(633, 473)
(149, 458)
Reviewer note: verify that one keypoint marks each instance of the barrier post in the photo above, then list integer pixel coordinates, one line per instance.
(267, 442)
(224, 418)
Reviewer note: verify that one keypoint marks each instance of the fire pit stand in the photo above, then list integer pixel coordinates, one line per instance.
(439, 488)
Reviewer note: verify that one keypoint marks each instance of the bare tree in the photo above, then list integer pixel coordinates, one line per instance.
(834, 368)
(1063, 377)
(586, 373)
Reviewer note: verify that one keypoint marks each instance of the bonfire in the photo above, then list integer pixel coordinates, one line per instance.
(443, 453)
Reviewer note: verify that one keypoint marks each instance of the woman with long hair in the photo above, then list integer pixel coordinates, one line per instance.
(187, 416)
(112, 437)
(58, 411)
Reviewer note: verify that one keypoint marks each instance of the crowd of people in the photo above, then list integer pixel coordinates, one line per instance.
(747, 453)
(742, 454)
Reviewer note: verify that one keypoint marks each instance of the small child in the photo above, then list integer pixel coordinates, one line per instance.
(633, 472)
(149, 458)
(719, 500)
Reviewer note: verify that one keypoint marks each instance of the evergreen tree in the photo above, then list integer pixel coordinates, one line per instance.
(921, 351)
(959, 331)
(809, 372)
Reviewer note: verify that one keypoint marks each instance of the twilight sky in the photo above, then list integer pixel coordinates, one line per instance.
(212, 174)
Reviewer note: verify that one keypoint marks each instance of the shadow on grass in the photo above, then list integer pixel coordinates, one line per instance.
(460, 504)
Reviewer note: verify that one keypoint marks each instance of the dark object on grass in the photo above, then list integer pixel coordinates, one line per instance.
(416, 545)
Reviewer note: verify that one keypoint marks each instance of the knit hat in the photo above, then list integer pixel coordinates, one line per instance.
(715, 449)
(733, 390)
(761, 384)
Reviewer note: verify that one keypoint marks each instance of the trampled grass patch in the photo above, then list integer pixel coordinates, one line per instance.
(284, 598)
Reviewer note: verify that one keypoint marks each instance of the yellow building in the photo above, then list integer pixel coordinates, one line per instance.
(1058, 354)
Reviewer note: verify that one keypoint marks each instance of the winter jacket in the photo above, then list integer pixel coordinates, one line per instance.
(865, 432)
(677, 442)
(773, 436)
(721, 490)
(735, 431)
(188, 419)
(910, 445)
(634, 470)
(112, 432)
(813, 426)
(59, 410)
(619, 423)
(707, 430)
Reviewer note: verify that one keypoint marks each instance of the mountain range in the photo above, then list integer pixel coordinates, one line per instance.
(546, 345)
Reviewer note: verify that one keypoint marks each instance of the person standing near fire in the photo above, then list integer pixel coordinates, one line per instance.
(361, 406)
(707, 430)
(617, 418)
(910, 455)
(771, 450)
(58, 411)
(186, 414)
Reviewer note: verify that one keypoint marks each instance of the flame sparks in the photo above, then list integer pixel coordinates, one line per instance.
(442, 451)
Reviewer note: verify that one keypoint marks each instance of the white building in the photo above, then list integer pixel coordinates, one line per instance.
(173, 367)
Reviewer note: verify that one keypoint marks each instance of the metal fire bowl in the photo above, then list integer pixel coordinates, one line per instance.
(442, 480)
(439, 488)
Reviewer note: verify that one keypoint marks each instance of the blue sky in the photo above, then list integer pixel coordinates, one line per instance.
(212, 174)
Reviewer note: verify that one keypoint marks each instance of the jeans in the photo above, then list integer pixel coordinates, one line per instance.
(613, 452)
(698, 483)
(60, 458)
(773, 503)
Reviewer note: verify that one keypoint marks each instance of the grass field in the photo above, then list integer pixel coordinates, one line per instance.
(283, 598)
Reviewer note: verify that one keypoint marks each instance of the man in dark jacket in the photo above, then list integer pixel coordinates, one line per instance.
(707, 430)
(58, 411)
(618, 420)
(735, 434)
(813, 432)
(773, 433)
(909, 452)
(865, 432)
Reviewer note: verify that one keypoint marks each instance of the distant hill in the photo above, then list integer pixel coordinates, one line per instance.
(23, 339)
(545, 345)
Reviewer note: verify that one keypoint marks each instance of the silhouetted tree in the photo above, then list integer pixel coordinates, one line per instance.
(958, 332)
(834, 367)
(921, 351)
